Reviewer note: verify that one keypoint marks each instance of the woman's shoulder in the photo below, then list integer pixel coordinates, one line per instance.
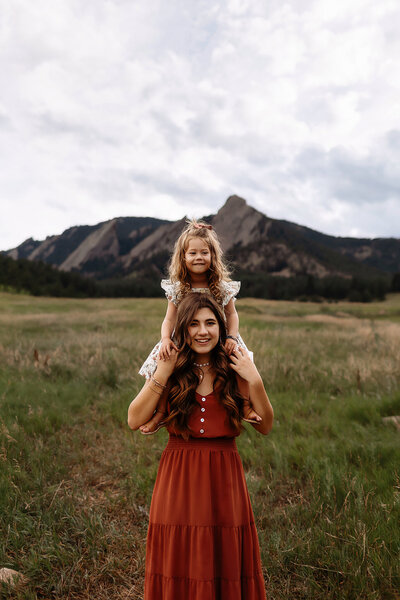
(229, 290)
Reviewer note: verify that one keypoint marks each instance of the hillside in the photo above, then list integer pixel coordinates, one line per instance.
(253, 242)
(91, 250)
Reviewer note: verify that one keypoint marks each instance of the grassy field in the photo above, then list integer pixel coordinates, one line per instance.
(76, 484)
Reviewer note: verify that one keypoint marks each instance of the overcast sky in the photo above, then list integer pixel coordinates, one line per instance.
(165, 108)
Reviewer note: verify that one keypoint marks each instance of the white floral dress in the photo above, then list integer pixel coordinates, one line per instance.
(229, 289)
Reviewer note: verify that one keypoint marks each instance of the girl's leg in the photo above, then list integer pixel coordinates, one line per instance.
(249, 414)
(155, 422)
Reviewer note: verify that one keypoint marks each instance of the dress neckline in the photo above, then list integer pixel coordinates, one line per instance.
(205, 395)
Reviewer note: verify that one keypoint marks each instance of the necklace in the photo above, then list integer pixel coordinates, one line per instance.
(201, 365)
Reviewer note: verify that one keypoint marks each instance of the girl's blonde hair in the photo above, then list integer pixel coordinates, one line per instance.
(218, 270)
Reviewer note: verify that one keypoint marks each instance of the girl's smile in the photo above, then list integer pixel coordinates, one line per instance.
(197, 256)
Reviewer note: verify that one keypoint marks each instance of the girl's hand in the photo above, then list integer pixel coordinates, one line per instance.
(167, 345)
(230, 346)
(166, 366)
(244, 366)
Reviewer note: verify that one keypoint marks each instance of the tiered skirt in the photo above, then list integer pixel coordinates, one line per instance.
(202, 542)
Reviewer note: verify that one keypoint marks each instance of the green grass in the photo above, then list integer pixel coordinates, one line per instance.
(76, 484)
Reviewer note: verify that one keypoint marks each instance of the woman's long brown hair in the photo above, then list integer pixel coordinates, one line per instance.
(183, 382)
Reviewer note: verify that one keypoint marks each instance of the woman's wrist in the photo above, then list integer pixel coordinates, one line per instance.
(163, 371)
(158, 384)
(230, 336)
(255, 380)
(154, 388)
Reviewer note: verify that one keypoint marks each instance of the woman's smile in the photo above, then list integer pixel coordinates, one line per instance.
(203, 331)
(202, 342)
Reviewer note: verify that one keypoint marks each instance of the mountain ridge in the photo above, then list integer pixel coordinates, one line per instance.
(252, 241)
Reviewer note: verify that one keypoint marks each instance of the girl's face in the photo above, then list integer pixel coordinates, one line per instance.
(203, 332)
(197, 256)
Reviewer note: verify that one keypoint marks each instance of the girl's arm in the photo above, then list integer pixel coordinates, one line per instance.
(167, 328)
(253, 388)
(232, 318)
(232, 326)
(143, 406)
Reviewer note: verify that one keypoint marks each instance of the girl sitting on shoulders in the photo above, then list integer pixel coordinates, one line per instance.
(196, 265)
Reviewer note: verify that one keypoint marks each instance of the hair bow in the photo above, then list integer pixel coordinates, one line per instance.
(201, 226)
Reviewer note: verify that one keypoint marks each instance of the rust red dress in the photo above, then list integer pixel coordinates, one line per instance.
(202, 542)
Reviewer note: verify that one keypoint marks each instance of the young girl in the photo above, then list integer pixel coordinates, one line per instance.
(196, 266)
(202, 541)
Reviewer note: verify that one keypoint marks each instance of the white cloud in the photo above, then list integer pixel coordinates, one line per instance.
(113, 108)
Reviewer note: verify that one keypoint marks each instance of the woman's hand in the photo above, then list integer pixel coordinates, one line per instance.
(166, 366)
(246, 369)
(152, 394)
(230, 346)
(244, 366)
(167, 345)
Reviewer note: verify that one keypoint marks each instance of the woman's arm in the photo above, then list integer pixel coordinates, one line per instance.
(253, 388)
(142, 407)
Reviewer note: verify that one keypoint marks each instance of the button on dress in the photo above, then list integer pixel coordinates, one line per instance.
(202, 542)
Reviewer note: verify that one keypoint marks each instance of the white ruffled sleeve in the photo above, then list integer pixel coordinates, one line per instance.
(230, 289)
(171, 290)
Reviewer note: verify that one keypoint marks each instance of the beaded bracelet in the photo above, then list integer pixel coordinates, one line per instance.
(232, 337)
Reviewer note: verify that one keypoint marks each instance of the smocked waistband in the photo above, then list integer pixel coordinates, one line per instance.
(219, 443)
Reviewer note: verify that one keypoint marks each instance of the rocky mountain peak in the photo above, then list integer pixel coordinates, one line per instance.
(99, 244)
(233, 203)
(238, 223)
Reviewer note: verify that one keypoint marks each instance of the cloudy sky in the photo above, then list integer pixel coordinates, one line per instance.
(165, 108)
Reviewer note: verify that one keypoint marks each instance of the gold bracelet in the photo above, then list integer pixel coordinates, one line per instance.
(156, 390)
(154, 380)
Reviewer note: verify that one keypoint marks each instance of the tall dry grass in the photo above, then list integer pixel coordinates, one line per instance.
(75, 483)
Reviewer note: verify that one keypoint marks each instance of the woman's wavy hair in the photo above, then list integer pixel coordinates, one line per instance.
(184, 380)
(218, 270)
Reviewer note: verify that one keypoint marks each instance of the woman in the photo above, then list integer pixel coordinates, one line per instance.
(202, 543)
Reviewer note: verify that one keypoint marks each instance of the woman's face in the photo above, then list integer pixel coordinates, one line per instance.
(203, 332)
